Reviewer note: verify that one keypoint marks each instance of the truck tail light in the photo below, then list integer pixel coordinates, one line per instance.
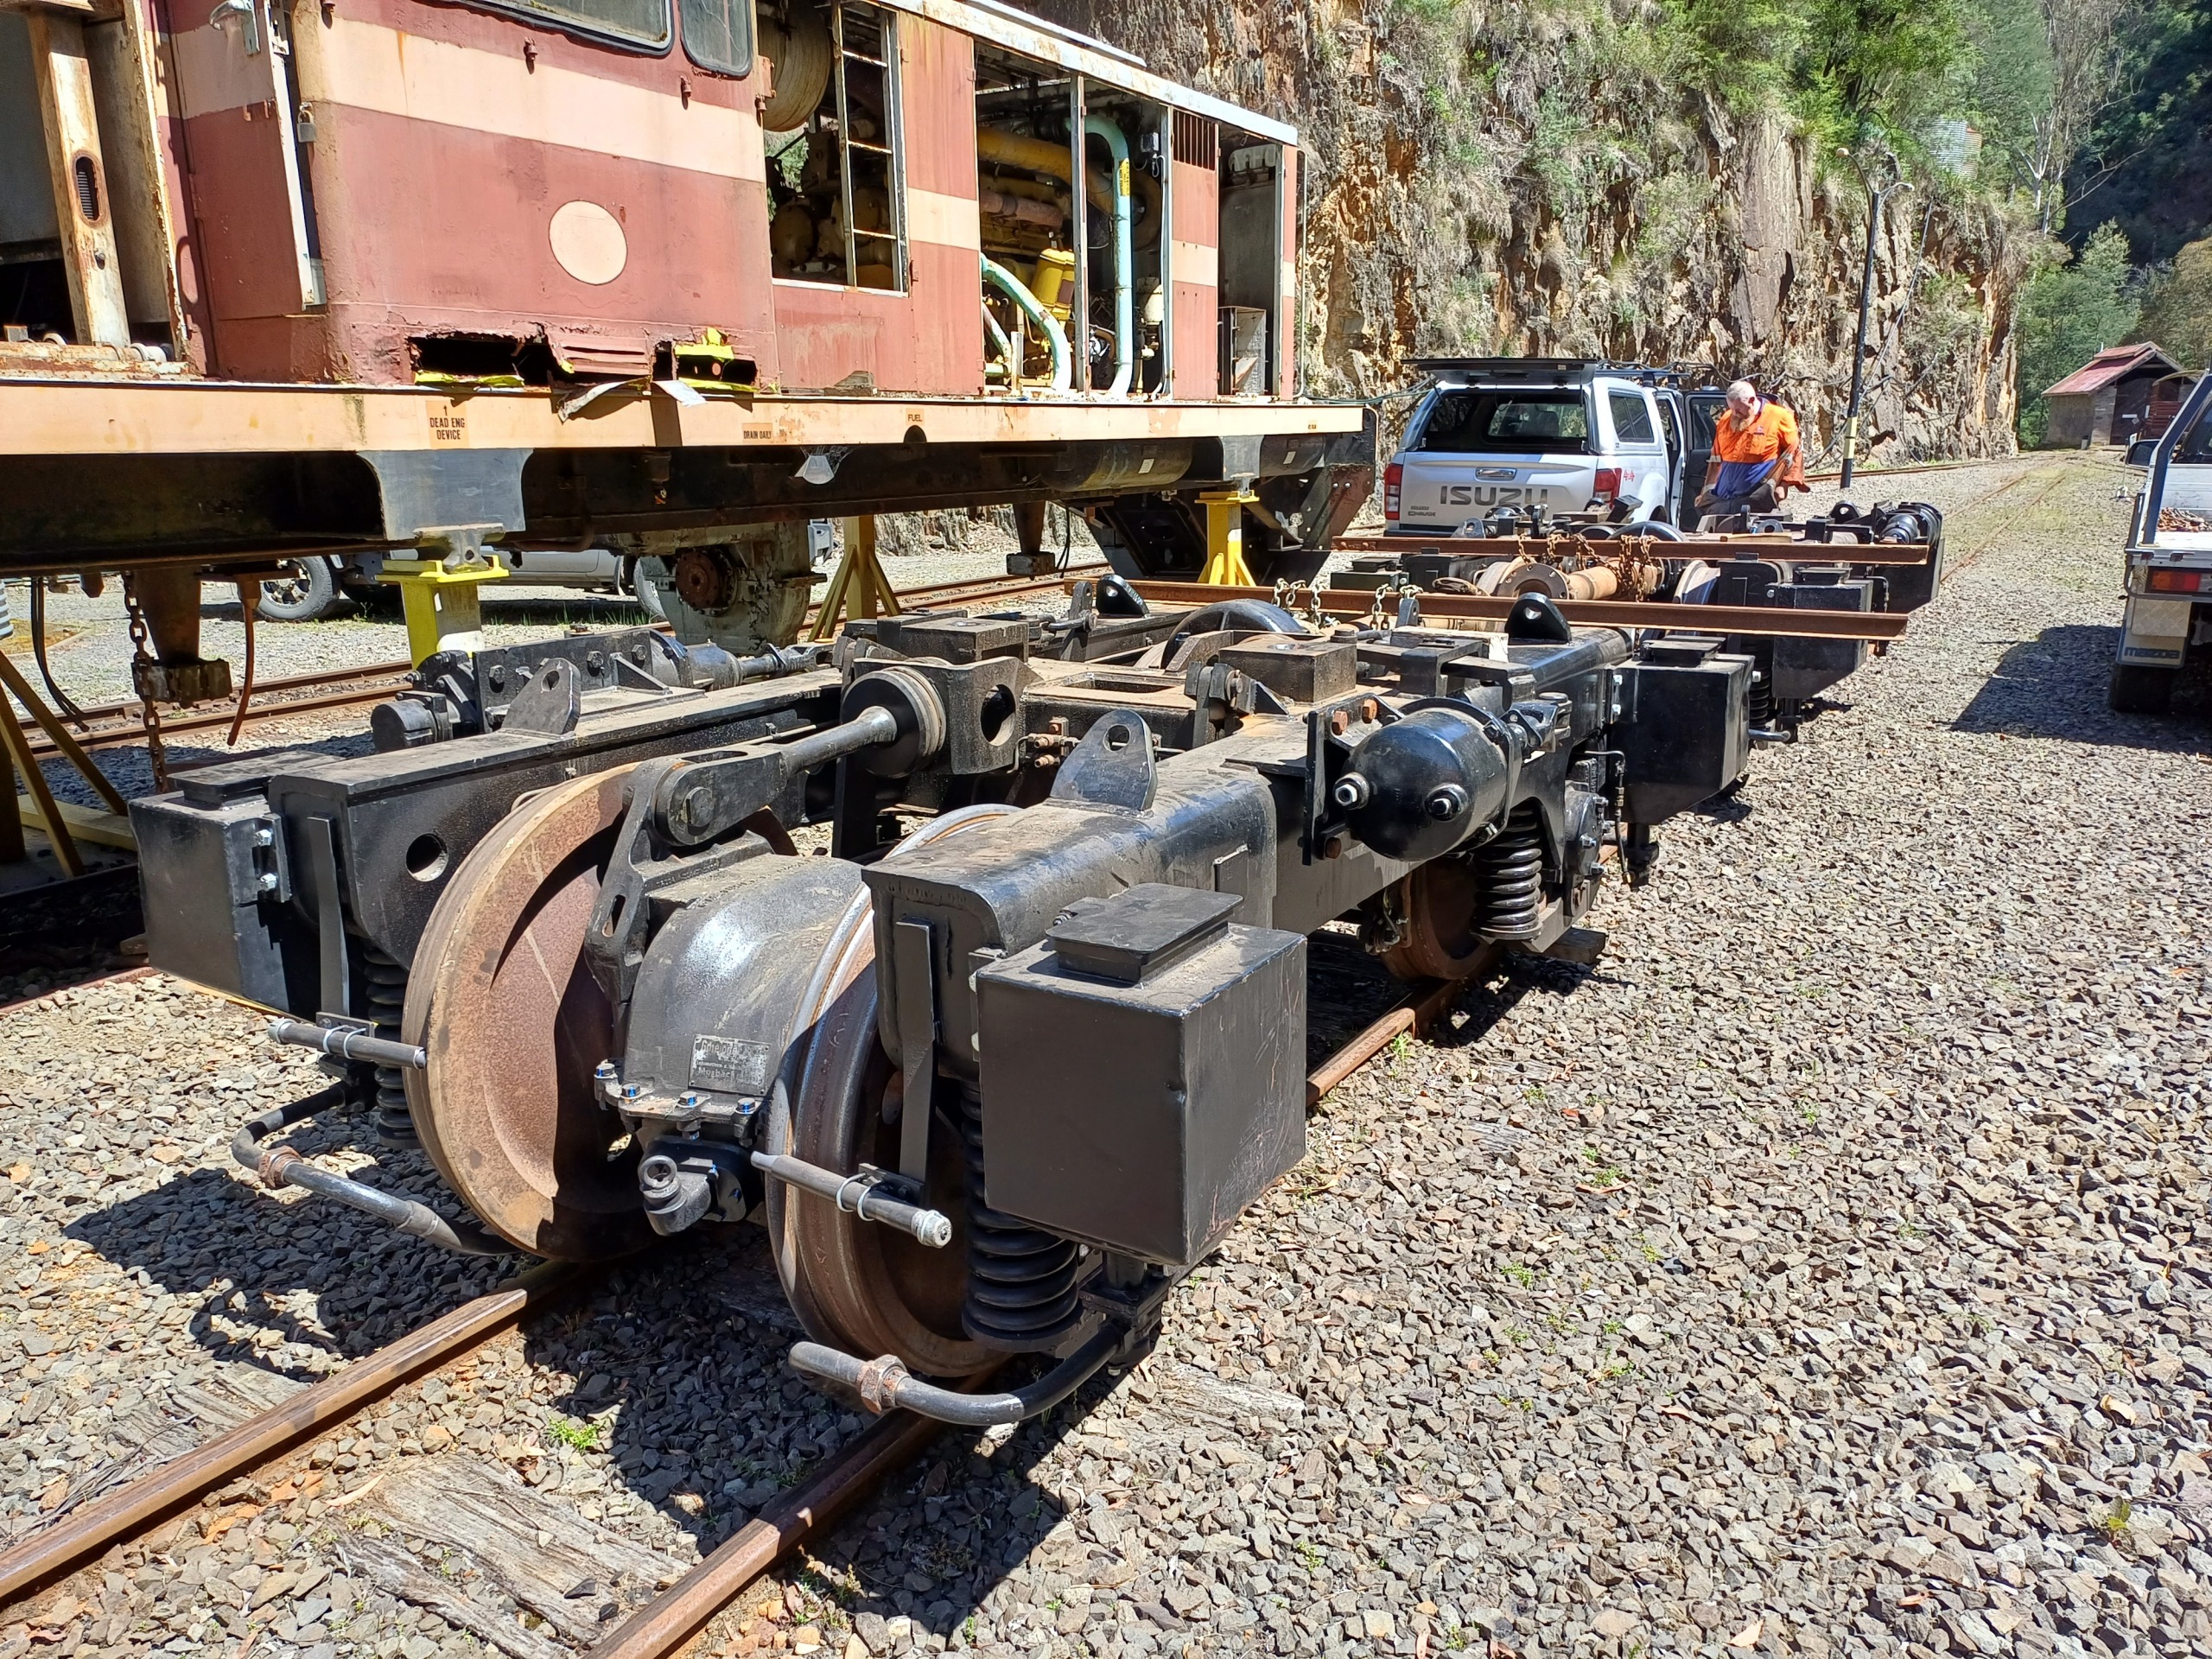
(2177, 581)
(1608, 485)
(1393, 477)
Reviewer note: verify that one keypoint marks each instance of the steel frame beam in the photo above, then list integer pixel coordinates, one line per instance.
(1446, 608)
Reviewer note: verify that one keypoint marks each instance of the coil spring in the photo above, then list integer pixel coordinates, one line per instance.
(1509, 876)
(1761, 700)
(383, 988)
(1020, 1278)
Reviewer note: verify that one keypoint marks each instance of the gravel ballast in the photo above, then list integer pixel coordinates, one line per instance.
(1823, 1273)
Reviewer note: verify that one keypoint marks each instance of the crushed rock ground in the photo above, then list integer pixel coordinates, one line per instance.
(1824, 1273)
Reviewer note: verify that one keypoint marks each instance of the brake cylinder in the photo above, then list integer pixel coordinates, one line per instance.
(1423, 784)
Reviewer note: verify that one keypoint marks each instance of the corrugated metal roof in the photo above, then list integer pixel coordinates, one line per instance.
(2110, 365)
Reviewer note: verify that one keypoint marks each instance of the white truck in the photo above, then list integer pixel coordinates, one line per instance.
(2168, 622)
(1564, 435)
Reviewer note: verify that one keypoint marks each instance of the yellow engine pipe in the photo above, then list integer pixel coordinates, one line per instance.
(1058, 161)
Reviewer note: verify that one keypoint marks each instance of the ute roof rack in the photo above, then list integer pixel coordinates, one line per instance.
(1530, 370)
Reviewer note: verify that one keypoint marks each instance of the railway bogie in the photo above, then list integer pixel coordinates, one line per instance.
(1002, 1062)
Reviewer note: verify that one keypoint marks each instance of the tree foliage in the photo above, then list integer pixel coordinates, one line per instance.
(2147, 163)
(2178, 306)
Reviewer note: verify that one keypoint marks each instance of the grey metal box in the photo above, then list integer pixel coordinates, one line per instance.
(1144, 1118)
(1805, 668)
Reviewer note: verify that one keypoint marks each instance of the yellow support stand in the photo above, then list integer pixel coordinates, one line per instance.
(1226, 566)
(859, 584)
(443, 609)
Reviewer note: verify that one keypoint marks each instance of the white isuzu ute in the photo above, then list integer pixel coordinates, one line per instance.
(1563, 434)
(2169, 618)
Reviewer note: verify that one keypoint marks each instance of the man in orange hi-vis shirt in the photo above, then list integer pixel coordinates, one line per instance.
(1755, 458)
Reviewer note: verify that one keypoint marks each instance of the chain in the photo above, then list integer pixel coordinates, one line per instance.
(1286, 596)
(150, 711)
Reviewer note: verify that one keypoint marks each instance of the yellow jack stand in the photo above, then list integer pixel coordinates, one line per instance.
(443, 609)
(1226, 566)
(858, 583)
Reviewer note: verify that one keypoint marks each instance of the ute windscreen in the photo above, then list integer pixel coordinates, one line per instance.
(1537, 422)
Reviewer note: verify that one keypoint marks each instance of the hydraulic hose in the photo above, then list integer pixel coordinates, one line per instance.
(1056, 339)
(884, 1384)
(282, 1167)
(1125, 281)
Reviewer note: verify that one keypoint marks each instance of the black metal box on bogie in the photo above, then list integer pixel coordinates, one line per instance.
(1144, 1072)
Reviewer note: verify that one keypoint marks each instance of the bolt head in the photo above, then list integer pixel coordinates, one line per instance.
(1445, 802)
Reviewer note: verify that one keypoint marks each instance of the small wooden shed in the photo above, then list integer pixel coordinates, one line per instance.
(2107, 399)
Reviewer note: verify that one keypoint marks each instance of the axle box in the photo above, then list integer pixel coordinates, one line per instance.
(1143, 1072)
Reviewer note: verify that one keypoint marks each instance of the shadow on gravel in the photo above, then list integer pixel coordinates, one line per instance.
(681, 1397)
(291, 1284)
(2054, 685)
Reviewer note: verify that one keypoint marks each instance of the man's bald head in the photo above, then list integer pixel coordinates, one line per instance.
(1742, 396)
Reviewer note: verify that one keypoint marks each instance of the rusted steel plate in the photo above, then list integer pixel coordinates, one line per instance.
(1698, 547)
(1588, 613)
(88, 416)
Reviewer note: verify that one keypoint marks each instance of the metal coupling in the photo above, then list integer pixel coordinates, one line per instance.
(879, 1382)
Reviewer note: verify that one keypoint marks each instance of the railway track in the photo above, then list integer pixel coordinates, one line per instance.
(661, 1627)
(115, 725)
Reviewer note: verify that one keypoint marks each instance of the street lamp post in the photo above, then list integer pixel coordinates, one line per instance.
(1876, 192)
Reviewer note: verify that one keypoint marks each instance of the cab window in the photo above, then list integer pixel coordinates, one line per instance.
(2193, 448)
(638, 22)
(1531, 421)
(718, 35)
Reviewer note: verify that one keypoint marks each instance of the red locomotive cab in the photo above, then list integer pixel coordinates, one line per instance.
(488, 193)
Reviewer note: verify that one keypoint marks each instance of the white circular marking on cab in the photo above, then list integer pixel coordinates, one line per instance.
(588, 242)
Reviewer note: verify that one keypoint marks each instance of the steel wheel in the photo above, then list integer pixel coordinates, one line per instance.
(1438, 901)
(500, 996)
(855, 1285)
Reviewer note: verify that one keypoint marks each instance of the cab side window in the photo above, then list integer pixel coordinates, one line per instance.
(718, 35)
(635, 23)
(2194, 447)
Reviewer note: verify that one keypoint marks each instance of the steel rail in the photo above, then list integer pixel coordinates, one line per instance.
(1905, 553)
(662, 1625)
(1354, 603)
(46, 1556)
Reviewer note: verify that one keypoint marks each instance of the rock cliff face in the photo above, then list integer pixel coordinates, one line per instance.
(1531, 178)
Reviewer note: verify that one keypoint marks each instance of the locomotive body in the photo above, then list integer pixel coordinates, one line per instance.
(374, 277)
